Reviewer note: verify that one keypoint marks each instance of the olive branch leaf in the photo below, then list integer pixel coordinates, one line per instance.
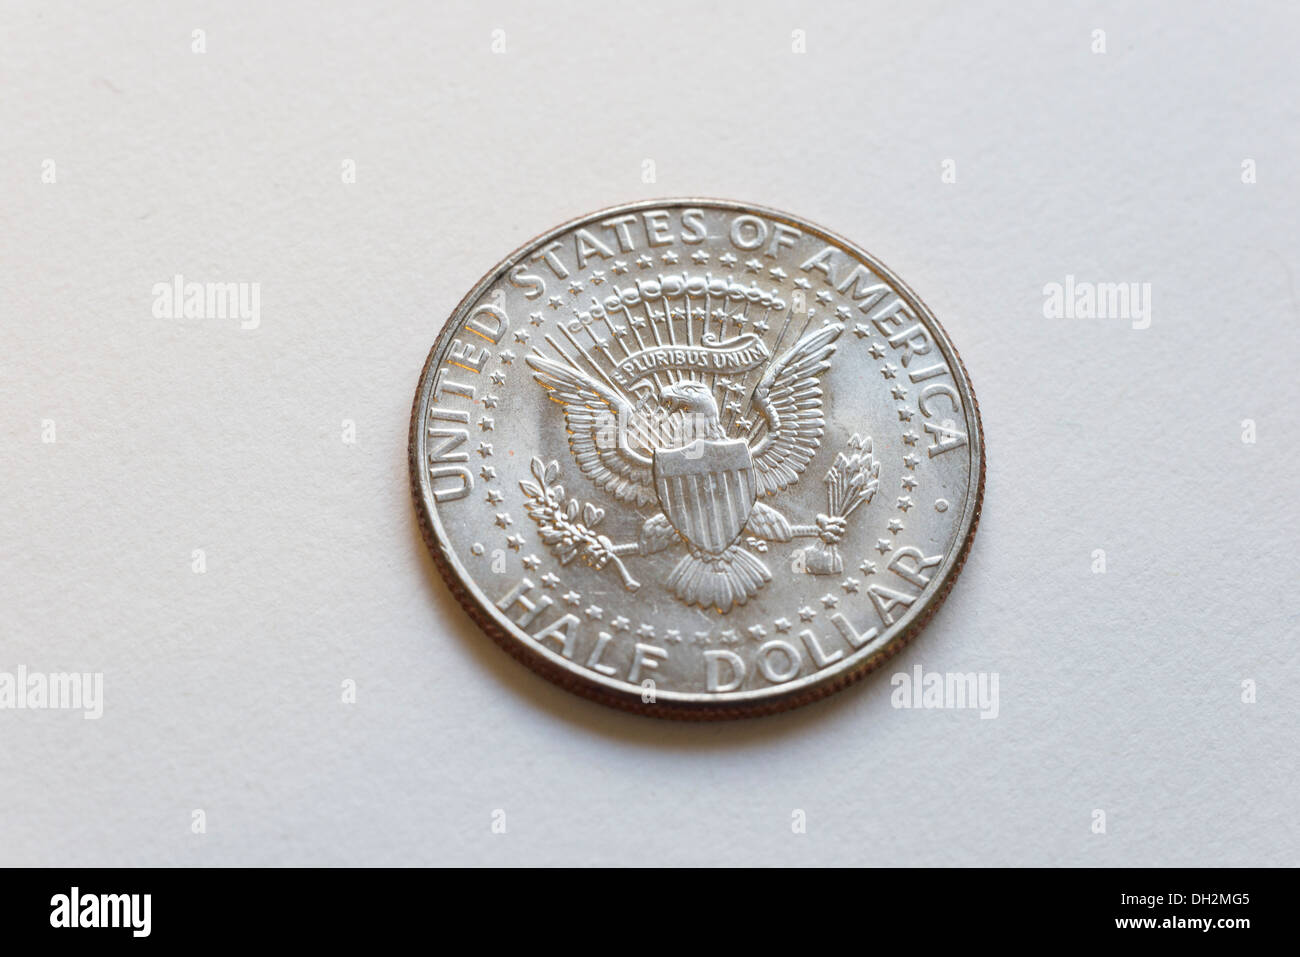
(568, 525)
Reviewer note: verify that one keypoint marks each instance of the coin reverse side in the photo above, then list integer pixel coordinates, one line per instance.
(696, 458)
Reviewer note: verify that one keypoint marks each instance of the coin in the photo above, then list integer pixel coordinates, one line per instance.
(696, 458)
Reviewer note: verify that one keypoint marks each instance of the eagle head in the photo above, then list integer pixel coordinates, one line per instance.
(691, 397)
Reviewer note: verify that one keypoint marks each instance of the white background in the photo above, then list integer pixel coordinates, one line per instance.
(1119, 691)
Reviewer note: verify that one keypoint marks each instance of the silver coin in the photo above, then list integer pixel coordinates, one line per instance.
(757, 476)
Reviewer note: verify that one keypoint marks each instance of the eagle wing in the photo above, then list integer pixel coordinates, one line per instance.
(789, 396)
(602, 431)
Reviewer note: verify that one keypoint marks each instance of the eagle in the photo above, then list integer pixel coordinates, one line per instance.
(669, 449)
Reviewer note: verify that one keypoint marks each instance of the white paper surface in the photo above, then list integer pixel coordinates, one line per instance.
(1120, 692)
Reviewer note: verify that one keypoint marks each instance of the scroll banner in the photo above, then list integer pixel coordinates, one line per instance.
(710, 357)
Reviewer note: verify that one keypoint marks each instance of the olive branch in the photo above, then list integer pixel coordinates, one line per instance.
(567, 524)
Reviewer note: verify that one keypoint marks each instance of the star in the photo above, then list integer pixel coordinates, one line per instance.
(729, 636)
(842, 311)
(888, 370)
(783, 625)
(727, 259)
(575, 287)
(700, 256)
(823, 296)
(516, 542)
(743, 424)
(571, 597)
(867, 568)
(732, 407)
(701, 637)
(550, 580)
(876, 351)
(909, 482)
(882, 545)
(621, 623)
(490, 401)
(536, 318)
(619, 267)
(531, 562)
(504, 520)
(910, 438)
(904, 503)
(778, 273)
(761, 326)
(898, 392)
(498, 378)
(597, 277)
(555, 302)
(669, 258)
(904, 415)
(850, 585)
(487, 423)
(757, 632)
(753, 265)
(806, 614)
(645, 262)
(485, 449)
(494, 496)
(646, 631)
(895, 526)
(829, 600)
(673, 634)
(593, 611)
(861, 330)
(911, 461)
(488, 473)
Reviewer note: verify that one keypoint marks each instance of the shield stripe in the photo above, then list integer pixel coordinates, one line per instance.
(692, 495)
(726, 497)
(692, 514)
(686, 484)
(679, 498)
(701, 511)
(715, 513)
(706, 491)
(709, 508)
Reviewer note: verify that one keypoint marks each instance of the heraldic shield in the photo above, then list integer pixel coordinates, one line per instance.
(707, 490)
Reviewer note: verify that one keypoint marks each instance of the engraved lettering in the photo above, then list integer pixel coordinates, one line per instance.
(748, 232)
(850, 634)
(644, 657)
(818, 653)
(518, 597)
(715, 660)
(886, 600)
(593, 661)
(910, 564)
(779, 661)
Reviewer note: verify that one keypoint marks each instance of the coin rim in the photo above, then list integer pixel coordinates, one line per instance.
(680, 704)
